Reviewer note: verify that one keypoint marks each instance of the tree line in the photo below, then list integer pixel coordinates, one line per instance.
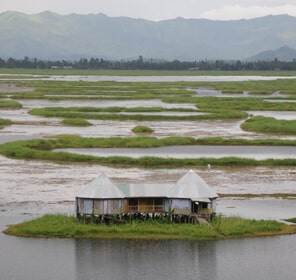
(147, 64)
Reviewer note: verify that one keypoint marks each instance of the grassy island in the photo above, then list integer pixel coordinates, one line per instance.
(4, 122)
(142, 129)
(45, 150)
(61, 226)
(76, 122)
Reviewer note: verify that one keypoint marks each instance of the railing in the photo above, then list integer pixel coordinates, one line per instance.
(146, 208)
(205, 211)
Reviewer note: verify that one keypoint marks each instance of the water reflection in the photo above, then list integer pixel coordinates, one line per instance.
(119, 259)
(244, 259)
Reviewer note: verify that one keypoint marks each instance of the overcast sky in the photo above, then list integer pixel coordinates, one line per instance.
(157, 9)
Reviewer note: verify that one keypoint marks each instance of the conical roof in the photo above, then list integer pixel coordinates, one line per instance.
(192, 186)
(101, 187)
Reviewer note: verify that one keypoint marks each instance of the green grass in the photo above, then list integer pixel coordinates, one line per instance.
(94, 113)
(4, 122)
(270, 125)
(42, 150)
(142, 129)
(76, 122)
(8, 104)
(292, 220)
(236, 226)
(61, 226)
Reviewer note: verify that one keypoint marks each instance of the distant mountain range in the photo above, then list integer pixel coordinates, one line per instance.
(284, 53)
(51, 36)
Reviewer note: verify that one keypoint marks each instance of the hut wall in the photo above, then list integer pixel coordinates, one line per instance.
(167, 204)
(98, 206)
(85, 206)
(181, 206)
(214, 203)
(113, 206)
(108, 206)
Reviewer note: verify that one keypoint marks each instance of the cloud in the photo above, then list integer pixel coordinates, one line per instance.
(240, 12)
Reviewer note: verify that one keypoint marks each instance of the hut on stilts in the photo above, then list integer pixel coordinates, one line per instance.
(183, 201)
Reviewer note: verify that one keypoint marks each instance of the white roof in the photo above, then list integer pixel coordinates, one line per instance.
(192, 186)
(146, 189)
(102, 187)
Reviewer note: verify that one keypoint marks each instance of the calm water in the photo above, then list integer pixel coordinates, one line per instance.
(59, 259)
(255, 152)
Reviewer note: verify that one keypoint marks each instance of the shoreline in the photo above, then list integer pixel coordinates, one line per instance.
(221, 228)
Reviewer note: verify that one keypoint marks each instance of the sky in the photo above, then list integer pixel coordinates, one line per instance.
(157, 9)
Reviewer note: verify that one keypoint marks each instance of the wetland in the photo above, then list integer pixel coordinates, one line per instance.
(31, 188)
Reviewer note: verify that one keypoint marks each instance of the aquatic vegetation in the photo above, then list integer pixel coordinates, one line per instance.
(43, 150)
(270, 125)
(7, 104)
(292, 220)
(76, 122)
(4, 122)
(99, 114)
(142, 129)
(57, 226)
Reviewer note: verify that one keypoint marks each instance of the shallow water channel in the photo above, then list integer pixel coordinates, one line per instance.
(29, 189)
(253, 152)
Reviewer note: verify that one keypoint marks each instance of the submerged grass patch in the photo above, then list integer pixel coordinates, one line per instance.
(76, 122)
(4, 122)
(142, 129)
(8, 104)
(42, 150)
(61, 226)
(292, 220)
(270, 125)
(114, 113)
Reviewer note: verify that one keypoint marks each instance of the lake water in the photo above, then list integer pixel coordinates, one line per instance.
(30, 188)
(270, 258)
(254, 152)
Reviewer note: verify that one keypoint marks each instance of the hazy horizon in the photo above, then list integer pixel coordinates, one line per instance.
(157, 10)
